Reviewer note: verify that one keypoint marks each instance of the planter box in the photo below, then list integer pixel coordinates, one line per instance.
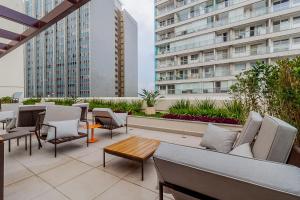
(194, 128)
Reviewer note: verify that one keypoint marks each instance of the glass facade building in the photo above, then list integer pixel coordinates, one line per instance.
(58, 62)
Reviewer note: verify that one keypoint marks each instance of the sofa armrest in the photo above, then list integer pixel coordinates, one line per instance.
(225, 176)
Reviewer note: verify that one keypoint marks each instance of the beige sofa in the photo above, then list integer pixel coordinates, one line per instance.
(194, 173)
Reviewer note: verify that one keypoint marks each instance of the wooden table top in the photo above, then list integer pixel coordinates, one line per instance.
(136, 148)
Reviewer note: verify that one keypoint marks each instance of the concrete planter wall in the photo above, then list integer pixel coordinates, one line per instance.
(174, 126)
(163, 104)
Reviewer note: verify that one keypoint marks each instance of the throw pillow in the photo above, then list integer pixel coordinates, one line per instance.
(67, 128)
(218, 139)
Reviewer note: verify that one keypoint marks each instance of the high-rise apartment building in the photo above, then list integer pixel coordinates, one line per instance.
(90, 53)
(201, 45)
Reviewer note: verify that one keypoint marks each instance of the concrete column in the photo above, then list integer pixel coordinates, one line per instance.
(270, 25)
(270, 44)
(65, 58)
(77, 54)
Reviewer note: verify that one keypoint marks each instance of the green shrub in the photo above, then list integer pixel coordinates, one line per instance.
(180, 105)
(237, 109)
(121, 106)
(6, 100)
(201, 108)
(31, 101)
(63, 102)
(205, 104)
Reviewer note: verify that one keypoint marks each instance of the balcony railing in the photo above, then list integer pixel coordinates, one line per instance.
(195, 91)
(254, 51)
(220, 39)
(226, 21)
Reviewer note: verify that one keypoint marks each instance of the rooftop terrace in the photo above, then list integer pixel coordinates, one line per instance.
(78, 173)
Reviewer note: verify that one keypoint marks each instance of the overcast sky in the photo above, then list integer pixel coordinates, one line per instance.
(143, 12)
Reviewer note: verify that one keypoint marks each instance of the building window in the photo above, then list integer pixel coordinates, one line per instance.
(240, 50)
(281, 45)
(194, 58)
(239, 67)
(184, 60)
(296, 21)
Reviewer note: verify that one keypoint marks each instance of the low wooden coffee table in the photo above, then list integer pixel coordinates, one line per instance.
(134, 148)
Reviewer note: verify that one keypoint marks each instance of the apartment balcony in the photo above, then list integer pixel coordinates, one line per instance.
(254, 53)
(226, 21)
(216, 90)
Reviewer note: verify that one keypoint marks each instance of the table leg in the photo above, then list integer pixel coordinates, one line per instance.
(30, 144)
(142, 170)
(26, 142)
(93, 139)
(103, 158)
(17, 141)
(161, 194)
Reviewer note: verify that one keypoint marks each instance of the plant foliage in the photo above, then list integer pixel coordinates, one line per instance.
(271, 89)
(150, 97)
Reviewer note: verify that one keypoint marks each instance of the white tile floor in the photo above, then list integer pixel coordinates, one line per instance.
(77, 172)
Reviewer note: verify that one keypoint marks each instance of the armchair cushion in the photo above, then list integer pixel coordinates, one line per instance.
(250, 129)
(218, 139)
(274, 140)
(64, 129)
(243, 150)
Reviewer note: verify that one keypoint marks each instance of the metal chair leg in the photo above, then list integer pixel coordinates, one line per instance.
(18, 141)
(9, 145)
(30, 139)
(161, 194)
(55, 150)
(25, 142)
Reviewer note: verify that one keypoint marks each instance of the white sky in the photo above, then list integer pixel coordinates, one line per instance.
(143, 12)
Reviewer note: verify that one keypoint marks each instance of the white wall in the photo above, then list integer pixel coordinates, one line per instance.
(12, 64)
(131, 55)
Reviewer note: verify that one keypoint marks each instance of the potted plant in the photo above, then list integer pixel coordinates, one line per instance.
(150, 97)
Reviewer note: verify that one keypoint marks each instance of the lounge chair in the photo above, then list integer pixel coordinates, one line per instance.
(9, 114)
(60, 114)
(26, 120)
(110, 120)
(194, 173)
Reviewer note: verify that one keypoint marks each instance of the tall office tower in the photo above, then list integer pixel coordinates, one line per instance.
(90, 53)
(202, 45)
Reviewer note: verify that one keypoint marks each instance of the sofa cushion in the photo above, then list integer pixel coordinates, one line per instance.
(274, 140)
(250, 129)
(64, 129)
(218, 139)
(243, 150)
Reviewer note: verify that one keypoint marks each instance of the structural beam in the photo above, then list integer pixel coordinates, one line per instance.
(11, 35)
(37, 26)
(4, 47)
(18, 17)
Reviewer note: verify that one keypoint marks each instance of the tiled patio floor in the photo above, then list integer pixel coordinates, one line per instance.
(77, 172)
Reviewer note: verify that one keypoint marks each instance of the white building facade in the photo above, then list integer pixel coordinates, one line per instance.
(11, 65)
(83, 55)
(201, 45)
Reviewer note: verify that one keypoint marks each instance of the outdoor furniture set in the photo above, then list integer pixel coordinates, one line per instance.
(55, 124)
